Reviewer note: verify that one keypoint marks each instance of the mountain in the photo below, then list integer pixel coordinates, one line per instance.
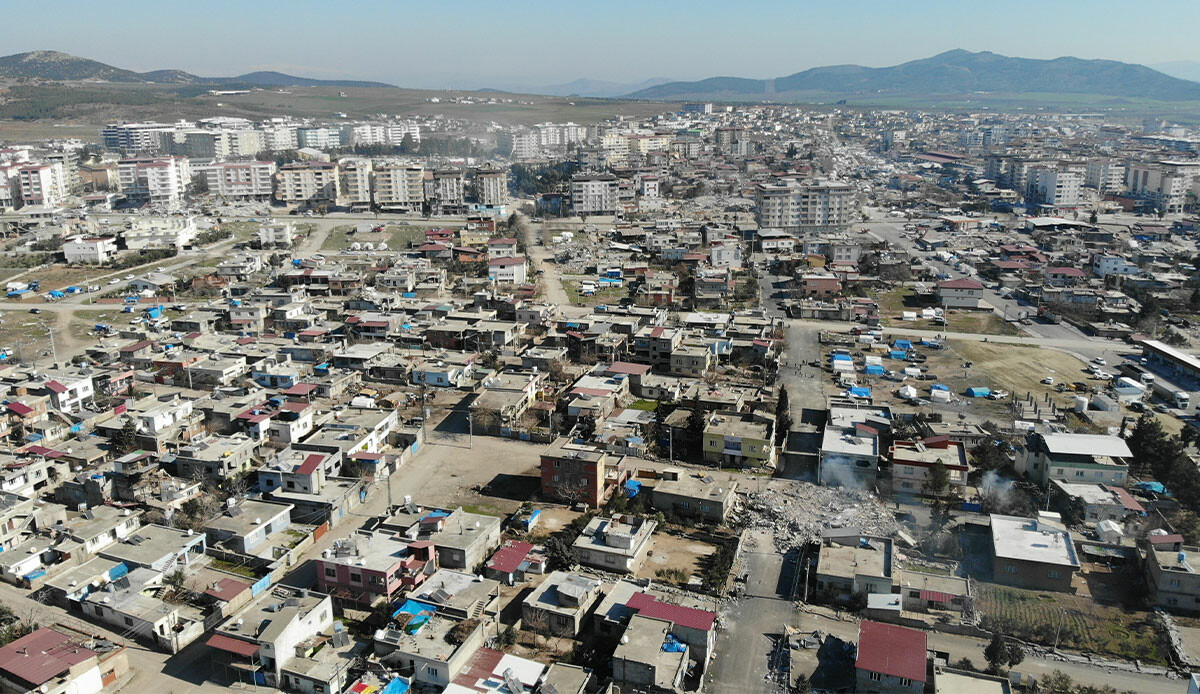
(1183, 69)
(596, 88)
(62, 67)
(953, 72)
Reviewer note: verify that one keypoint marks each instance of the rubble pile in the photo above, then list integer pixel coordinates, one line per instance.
(799, 512)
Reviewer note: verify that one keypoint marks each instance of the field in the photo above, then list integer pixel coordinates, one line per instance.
(600, 296)
(893, 303)
(1008, 367)
(1079, 623)
(396, 237)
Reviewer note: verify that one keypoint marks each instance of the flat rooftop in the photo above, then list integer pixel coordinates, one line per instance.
(1027, 539)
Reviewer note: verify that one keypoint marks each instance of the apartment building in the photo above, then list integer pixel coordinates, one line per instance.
(1164, 183)
(912, 462)
(813, 206)
(447, 193)
(578, 472)
(356, 177)
(239, 180)
(595, 194)
(319, 137)
(1105, 175)
(491, 187)
(155, 180)
(42, 184)
(90, 249)
(399, 187)
(1054, 187)
(310, 183)
(134, 138)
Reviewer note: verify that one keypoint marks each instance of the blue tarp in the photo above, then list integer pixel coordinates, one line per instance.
(673, 645)
(398, 685)
(902, 344)
(842, 357)
(421, 613)
(34, 574)
(1154, 487)
(118, 571)
(632, 487)
(979, 392)
(875, 370)
(897, 354)
(859, 392)
(938, 386)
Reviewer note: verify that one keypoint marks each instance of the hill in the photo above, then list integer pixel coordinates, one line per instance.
(953, 72)
(63, 67)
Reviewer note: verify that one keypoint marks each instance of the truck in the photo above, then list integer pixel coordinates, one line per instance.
(1136, 372)
(1175, 397)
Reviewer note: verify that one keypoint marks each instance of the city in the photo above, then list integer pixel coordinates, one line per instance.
(669, 389)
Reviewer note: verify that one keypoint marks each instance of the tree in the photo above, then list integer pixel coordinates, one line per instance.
(125, 440)
(695, 426)
(937, 481)
(586, 427)
(559, 554)
(801, 685)
(1194, 300)
(1092, 217)
(783, 417)
(996, 653)
(1056, 682)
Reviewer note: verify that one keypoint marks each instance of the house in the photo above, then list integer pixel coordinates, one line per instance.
(820, 284)
(851, 563)
(153, 282)
(157, 547)
(364, 569)
(501, 248)
(1171, 573)
(1079, 458)
(508, 270)
(696, 496)
(58, 661)
(128, 604)
(890, 659)
(560, 603)
(93, 250)
(1030, 553)
(424, 649)
(216, 457)
(740, 439)
(648, 659)
(577, 472)
(459, 595)
(463, 540)
(617, 544)
(691, 626)
(514, 561)
(245, 527)
(264, 639)
(850, 445)
(960, 293)
(1099, 502)
(912, 462)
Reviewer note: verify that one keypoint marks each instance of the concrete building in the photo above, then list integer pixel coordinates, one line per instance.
(912, 462)
(309, 183)
(963, 292)
(271, 633)
(463, 540)
(799, 206)
(155, 180)
(491, 187)
(399, 187)
(366, 568)
(594, 194)
(711, 498)
(1029, 553)
(850, 446)
(90, 249)
(1171, 573)
(560, 603)
(855, 564)
(134, 138)
(42, 185)
(239, 180)
(446, 192)
(740, 439)
(1079, 458)
(890, 659)
(246, 526)
(617, 544)
(357, 176)
(1054, 187)
(581, 473)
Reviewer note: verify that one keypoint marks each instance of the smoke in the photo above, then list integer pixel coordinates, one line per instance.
(835, 473)
(996, 490)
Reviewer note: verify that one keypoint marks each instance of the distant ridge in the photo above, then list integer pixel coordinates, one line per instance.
(952, 72)
(63, 67)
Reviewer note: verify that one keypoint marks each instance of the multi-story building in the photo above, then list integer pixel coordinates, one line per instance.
(42, 184)
(310, 183)
(1054, 187)
(448, 192)
(1094, 458)
(159, 232)
(281, 234)
(69, 159)
(356, 182)
(491, 187)
(595, 194)
(280, 137)
(366, 568)
(581, 473)
(319, 137)
(1105, 175)
(1171, 573)
(134, 138)
(912, 462)
(239, 180)
(1031, 553)
(745, 440)
(397, 131)
(90, 249)
(1164, 183)
(155, 180)
(399, 187)
(795, 206)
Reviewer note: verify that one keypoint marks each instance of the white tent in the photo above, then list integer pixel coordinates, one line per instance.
(939, 395)
(908, 315)
(907, 392)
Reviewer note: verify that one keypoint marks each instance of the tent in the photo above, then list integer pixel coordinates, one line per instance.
(859, 392)
(902, 344)
(908, 315)
(912, 371)
(897, 354)
(842, 357)
(939, 386)
(907, 392)
(978, 392)
(874, 369)
(939, 395)
(843, 366)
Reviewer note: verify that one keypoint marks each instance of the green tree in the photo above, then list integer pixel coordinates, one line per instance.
(1056, 682)
(125, 440)
(937, 481)
(559, 554)
(783, 417)
(697, 420)
(996, 653)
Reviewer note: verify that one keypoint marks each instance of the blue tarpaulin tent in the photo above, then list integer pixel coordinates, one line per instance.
(902, 344)
(859, 392)
(897, 354)
(842, 357)
(420, 612)
(632, 487)
(398, 685)
(875, 369)
(673, 645)
(1154, 487)
(938, 386)
(978, 392)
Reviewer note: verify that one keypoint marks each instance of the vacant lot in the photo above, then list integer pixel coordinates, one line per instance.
(893, 304)
(1077, 622)
(395, 236)
(675, 558)
(1019, 369)
(600, 296)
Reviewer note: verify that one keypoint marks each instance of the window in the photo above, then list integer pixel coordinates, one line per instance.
(1174, 582)
(355, 577)
(128, 622)
(875, 676)
(905, 682)
(330, 572)
(1010, 568)
(1052, 573)
(291, 484)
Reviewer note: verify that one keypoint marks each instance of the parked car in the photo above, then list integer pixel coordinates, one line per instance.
(1099, 361)
(1049, 380)
(115, 280)
(35, 310)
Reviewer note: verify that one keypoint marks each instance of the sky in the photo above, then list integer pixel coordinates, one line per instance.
(469, 44)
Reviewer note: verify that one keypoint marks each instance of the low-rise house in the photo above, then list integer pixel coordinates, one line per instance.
(463, 540)
(618, 544)
(1079, 458)
(158, 548)
(216, 457)
(850, 446)
(960, 293)
(913, 461)
(459, 595)
(740, 439)
(1099, 502)
(1171, 573)
(647, 659)
(56, 661)
(581, 473)
(364, 569)
(245, 527)
(127, 604)
(513, 562)
(560, 604)
(1030, 553)
(710, 498)
(430, 649)
(261, 641)
(890, 659)
(852, 564)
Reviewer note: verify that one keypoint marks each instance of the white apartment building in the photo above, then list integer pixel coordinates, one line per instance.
(42, 184)
(320, 137)
(525, 145)
(281, 234)
(239, 180)
(1105, 265)
(134, 138)
(491, 187)
(449, 192)
(794, 205)
(356, 182)
(1105, 175)
(90, 249)
(399, 187)
(311, 182)
(595, 194)
(160, 232)
(397, 131)
(1055, 187)
(280, 137)
(1166, 183)
(10, 185)
(355, 134)
(156, 180)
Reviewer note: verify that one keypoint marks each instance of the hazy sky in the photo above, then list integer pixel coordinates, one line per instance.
(470, 44)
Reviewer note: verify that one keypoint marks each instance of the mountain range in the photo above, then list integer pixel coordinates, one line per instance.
(952, 72)
(56, 66)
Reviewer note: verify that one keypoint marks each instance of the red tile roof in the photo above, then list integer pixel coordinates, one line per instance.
(301, 389)
(20, 408)
(232, 645)
(1066, 271)
(506, 261)
(41, 656)
(1127, 500)
(226, 589)
(891, 650)
(626, 367)
(56, 387)
(508, 559)
(647, 605)
(960, 283)
(309, 466)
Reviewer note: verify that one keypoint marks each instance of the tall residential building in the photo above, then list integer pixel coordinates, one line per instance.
(1054, 187)
(525, 145)
(595, 194)
(356, 182)
(10, 185)
(155, 180)
(309, 182)
(399, 187)
(491, 187)
(1165, 183)
(319, 137)
(134, 138)
(364, 134)
(1105, 175)
(811, 206)
(449, 192)
(397, 131)
(239, 180)
(280, 137)
(69, 158)
(42, 184)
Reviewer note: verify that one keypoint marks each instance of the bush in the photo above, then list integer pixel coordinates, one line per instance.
(461, 631)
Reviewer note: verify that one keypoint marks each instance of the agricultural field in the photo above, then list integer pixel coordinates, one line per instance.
(1076, 622)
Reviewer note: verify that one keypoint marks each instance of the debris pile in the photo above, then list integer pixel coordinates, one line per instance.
(799, 512)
